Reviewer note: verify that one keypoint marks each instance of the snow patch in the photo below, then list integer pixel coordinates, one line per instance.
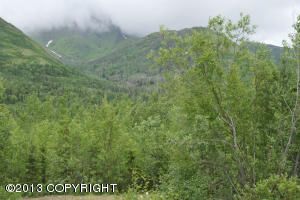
(124, 36)
(56, 54)
(49, 42)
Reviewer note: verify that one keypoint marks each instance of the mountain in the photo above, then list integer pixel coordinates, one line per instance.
(112, 54)
(276, 52)
(27, 68)
(75, 46)
(130, 64)
(17, 48)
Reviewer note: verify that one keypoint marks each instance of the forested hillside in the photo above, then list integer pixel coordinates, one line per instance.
(114, 55)
(28, 68)
(223, 122)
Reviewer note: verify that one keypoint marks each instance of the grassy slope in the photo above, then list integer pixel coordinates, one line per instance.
(17, 48)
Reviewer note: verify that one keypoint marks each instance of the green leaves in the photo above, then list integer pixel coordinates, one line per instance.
(216, 129)
(274, 188)
(236, 97)
(237, 32)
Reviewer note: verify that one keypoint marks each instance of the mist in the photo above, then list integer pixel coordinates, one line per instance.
(274, 18)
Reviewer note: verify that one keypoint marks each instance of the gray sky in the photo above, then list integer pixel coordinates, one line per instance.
(274, 18)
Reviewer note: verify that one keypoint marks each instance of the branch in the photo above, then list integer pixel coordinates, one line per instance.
(293, 113)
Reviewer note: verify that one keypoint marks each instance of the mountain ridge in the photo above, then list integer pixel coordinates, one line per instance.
(78, 46)
(115, 56)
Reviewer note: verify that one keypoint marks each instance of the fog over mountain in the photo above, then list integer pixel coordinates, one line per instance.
(274, 18)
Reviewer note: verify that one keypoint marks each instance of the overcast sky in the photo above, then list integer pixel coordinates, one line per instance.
(274, 18)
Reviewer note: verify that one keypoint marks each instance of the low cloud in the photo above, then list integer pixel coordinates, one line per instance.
(274, 18)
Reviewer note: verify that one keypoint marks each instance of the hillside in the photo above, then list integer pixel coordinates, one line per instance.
(17, 48)
(76, 47)
(27, 68)
(113, 55)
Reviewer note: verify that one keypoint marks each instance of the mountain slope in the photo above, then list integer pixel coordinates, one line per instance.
(128, 63)
(17, 48)
(76, 46)
(112, 55)
(27, 68)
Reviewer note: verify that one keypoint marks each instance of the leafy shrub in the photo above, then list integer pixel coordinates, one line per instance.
(274, 188)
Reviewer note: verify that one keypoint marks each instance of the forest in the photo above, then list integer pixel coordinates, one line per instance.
(222, 122)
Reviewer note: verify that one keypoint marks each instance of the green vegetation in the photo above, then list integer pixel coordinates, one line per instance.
(114, 56)
(17, 48)
(23, 80)
(28, 69)
(78, 47)
(223, 124)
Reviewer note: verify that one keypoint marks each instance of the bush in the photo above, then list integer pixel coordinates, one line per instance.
(8, 196)
(274, 188)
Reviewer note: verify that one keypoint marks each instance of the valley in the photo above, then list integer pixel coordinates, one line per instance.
(198, 113)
